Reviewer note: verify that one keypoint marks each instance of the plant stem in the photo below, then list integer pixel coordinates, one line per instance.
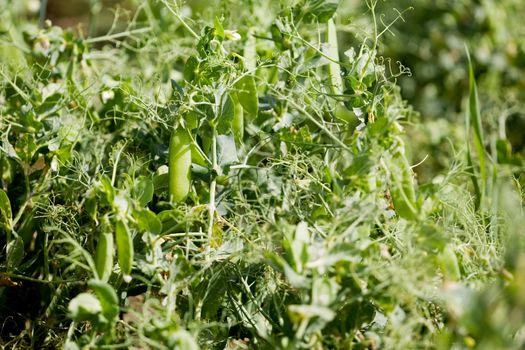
(213, 186)
(117, 35)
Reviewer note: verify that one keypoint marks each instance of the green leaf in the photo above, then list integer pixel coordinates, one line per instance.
(161, 179)
(226, 150)
(9, 149)
(299, 245)
(143, 191)
(247, 94)
(5, 209)
(108, 299)
(70, 345)
(15, 253)
(282, 266)
(474, 119)
(148, 221)
(191, 69)
(316, 10)
(224, 122)
(106, 188)
(91, 206)
(84, 307)
(219, 29)
(305, 312)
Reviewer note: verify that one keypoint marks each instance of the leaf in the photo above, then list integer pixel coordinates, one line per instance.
(106, 188)
(226, 150)
(161, 179)
(282, 266)
(15, 253)
(305, 312)
(474, 117)
(324, 291)
(143, 191)
(70, 345)
(299, 245)
(91, 206)
(84, 307)
(108, 299)
(5, 208)
(148, 221)
(224, 123)
(247, 94)
(316, 10)
(219, 29)
(9, 149)
(191, 69)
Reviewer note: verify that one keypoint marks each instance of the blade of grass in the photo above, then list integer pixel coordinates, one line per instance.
(474, 120)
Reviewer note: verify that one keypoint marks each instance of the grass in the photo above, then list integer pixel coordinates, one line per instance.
(311, 230)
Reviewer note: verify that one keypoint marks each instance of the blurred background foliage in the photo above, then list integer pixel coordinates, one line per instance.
(430, 40)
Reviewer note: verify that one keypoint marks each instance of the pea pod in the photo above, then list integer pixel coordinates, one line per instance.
(402, 190)
(124, 248)
(238, 119)
(104, 256)
(179, 165)
(247, 94)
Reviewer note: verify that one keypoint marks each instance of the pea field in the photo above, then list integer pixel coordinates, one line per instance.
(262, 174)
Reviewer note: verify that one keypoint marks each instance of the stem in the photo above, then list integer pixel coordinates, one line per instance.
(319, 125)
(181, 20)
(117, 35)
(117, 159)
(42, 12)
(372, 7)
(213, 186)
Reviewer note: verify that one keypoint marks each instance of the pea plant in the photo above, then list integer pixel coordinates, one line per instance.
(217, 180)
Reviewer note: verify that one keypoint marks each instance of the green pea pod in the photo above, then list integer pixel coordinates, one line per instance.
(238, 119)
(179, 165)
(247, 94)
(402, 191)
(104, 256)
(124, 248)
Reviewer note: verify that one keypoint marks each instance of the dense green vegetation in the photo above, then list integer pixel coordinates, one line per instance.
(243, 174)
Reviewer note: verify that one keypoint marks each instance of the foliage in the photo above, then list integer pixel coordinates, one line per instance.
(304, 225)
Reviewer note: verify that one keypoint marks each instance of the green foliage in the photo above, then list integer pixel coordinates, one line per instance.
(295, 219)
